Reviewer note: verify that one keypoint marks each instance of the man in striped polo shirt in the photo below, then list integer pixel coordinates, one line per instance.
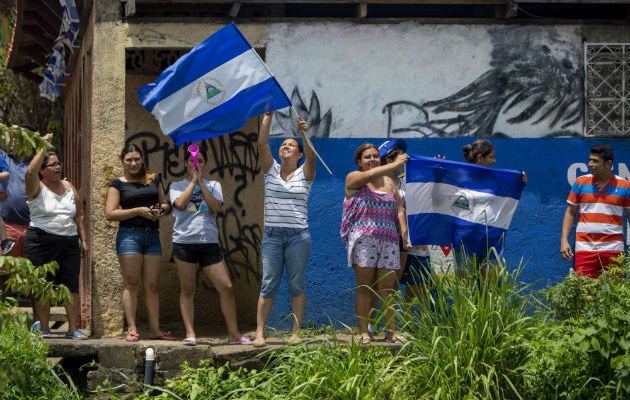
(600, 199)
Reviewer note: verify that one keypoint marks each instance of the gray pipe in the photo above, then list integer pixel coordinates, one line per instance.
(149, 365)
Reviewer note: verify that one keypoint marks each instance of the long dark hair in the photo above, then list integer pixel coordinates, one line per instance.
(481, 147)
(147, 176)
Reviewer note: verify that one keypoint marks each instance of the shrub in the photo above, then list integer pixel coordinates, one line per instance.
(585, 351)
(24, 371)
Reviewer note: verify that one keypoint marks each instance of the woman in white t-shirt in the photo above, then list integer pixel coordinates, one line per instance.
(196, 202)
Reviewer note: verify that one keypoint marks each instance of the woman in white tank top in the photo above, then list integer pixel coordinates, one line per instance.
(54, 232)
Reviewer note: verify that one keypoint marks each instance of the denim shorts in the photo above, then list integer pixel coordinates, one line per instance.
(282, 248)
(132, 240)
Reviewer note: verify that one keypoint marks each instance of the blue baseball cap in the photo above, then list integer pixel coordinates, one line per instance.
(390, 145)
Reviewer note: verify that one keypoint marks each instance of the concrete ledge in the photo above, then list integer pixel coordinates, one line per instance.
(123, 363)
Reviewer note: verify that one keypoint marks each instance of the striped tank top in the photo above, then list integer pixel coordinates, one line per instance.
(372, 213)
(286, 202)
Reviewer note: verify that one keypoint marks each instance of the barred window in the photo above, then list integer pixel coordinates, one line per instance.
(607, 89)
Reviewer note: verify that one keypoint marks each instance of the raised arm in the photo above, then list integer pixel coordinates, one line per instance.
(32, 172)
(309, 152)
(356, 179)
(264, 151)
(567, 225)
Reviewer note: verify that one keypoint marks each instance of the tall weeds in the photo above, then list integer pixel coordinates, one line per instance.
(472, 338)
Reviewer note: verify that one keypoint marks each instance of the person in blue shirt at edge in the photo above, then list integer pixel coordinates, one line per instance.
(14, 210)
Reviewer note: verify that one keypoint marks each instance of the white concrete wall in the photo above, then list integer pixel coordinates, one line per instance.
(357, 70)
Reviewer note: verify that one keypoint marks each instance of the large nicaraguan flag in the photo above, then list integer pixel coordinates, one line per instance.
(213, 89)
(456, 204)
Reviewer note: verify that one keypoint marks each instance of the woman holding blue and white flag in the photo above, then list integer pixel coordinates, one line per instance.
(480, 152)
(286, 241)
(371, 219)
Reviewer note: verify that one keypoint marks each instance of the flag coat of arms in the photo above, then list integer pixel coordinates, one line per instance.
(457, 204)
(213, 89)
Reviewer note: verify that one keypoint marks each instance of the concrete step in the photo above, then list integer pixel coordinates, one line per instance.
(123, 362)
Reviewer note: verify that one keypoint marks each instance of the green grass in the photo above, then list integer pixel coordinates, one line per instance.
(470, 338)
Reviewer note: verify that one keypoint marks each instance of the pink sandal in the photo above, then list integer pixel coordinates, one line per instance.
(242, 340)
(191, 341)
(132, 337)
(164, 336)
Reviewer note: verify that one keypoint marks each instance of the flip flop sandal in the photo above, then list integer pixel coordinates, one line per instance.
(191, 341)
(76, 335)
(294, 341)
(398, 339)
(132, 337)
(46, 334)
(164, 336)
(242, 340)
(364, 340)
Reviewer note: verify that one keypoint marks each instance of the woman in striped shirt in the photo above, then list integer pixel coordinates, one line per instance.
(286, 241)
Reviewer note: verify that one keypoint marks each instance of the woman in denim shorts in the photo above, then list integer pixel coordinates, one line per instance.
(196, 245)
(137, 201)
(286, 241)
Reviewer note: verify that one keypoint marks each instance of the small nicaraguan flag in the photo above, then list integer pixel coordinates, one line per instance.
(213, 89)
(457, 204)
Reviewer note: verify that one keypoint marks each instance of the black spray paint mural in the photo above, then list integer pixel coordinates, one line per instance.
(234, 158)
(531, 85)
(536, 78)
(317, 127)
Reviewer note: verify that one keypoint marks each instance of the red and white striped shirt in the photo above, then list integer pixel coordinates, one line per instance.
(600, 213)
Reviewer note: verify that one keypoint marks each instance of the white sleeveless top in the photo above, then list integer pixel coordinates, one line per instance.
(286, 202)
(52, 213)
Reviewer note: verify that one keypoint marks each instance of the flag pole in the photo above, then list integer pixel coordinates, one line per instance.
(309, 144)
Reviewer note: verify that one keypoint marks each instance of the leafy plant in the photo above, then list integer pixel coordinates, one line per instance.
(24, 371)
(28, 279)
(16, 140)
(585, 352)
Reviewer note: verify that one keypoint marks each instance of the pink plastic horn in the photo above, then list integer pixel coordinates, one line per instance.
(194, 149)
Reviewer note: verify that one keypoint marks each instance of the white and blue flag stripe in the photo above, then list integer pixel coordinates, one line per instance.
(458, 204)
(213, 89)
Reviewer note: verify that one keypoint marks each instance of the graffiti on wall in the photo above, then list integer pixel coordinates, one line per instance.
(317, 127)
(535, 78)
(233, 158)
(437, 81)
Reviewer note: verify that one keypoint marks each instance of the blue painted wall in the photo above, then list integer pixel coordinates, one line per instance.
(533, 236)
